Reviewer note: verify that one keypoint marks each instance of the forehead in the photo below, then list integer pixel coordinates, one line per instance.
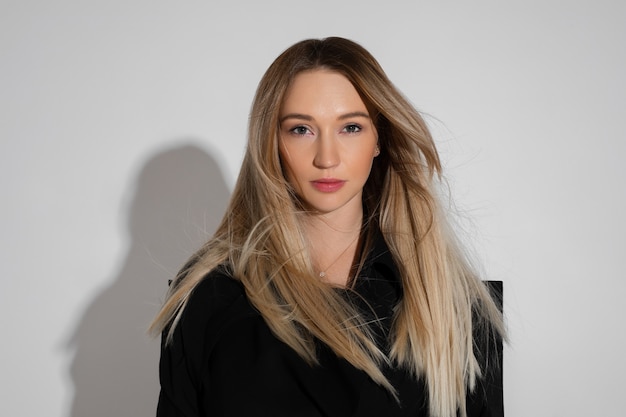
(321, 91)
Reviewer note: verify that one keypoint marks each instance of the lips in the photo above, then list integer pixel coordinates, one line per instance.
(328, 185)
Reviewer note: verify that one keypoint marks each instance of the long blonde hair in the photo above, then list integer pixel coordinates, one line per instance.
(261, 240)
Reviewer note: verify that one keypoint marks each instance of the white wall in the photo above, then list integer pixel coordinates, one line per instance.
(122, 126)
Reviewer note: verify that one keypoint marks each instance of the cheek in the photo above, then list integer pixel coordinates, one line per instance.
(363, 162)
(367, 168)
(294, 161)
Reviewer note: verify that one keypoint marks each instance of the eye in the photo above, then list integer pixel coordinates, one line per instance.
(352, 128)
(300, 130)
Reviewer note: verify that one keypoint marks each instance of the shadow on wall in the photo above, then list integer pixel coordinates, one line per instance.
(179, 199)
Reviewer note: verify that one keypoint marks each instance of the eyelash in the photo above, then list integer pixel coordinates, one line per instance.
(352, 125)
(300, 130)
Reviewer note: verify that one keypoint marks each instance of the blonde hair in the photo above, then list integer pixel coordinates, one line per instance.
(261, 240)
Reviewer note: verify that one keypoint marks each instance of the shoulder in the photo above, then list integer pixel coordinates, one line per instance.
(216, 295)
(216, 291)
(215, 303)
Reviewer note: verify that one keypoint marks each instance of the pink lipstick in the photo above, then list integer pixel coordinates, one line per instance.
(328, 185)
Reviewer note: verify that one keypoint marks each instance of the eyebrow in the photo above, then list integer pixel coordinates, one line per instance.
(301, 116)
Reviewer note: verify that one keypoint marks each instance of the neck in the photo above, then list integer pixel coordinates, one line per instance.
(333, 244)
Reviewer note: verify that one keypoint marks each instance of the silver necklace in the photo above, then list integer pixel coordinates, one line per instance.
(322, 273)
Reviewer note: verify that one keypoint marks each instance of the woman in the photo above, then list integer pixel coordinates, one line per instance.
(333, 285)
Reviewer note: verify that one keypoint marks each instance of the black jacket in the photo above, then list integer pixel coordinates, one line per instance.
(225, 361)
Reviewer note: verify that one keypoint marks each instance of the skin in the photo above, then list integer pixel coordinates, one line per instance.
(327, 146)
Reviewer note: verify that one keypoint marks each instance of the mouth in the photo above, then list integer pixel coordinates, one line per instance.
(328, 185)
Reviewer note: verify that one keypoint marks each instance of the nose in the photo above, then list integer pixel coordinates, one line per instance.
(327, 154)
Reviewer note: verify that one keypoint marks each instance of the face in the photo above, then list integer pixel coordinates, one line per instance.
(327, 141)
